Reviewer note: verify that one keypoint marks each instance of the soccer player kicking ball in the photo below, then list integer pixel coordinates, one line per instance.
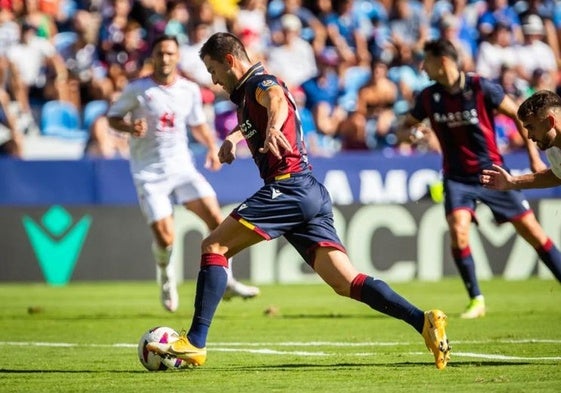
(161, 106)
(541, 116)
(291, 203)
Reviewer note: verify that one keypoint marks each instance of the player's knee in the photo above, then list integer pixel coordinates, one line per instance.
(209, 246)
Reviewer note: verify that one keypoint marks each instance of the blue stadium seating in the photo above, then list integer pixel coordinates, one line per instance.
(61, 119)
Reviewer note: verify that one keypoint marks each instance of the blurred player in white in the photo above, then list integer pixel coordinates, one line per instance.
(156, 111)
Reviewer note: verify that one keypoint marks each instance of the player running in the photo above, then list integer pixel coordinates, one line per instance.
(156, 111)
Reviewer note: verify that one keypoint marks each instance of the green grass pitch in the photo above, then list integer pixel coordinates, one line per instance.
(82, 338)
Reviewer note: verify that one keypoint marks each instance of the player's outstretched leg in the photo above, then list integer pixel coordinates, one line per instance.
(211, 284)
(166, 276)
(430, 324)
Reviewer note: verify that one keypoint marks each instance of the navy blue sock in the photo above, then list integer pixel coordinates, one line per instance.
(551, 256)
(466, 266)
(379, 296)
(211, 284)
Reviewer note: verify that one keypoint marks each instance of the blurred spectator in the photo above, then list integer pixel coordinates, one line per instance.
(37, 72)
(370, 125)
(12, 144)
(126, 59)
(293, 60)
(450, 29)
(496, 52)
(345, 32)
(540, 80)
(511, 83)
(546, 11)
(322, 96)
(499, 11)
(250, 25)
(112, 29)
(88, 77)
(177, 18)
(406, 71)
(408, 24)
(29, 12)
(192, 67)
(534, 53)
(313, 30)
(317, 143)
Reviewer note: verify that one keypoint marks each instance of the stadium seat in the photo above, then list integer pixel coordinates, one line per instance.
(92, 111)
(61, 119)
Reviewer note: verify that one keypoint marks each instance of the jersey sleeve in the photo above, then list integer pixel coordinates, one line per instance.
(126, 102)
(554, 158)
(492, 91)
(418, 111)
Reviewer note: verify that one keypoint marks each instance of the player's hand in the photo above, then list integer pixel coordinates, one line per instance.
(496, 178)
(418, 133)
(212, 161)
(274, 142)
(139, 128)
(227, 152)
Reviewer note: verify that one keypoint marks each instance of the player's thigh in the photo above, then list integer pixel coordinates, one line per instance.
(530, 229)
(335, 268)
(208, 209)
(229, 238)
(154, 199)
(505, 205)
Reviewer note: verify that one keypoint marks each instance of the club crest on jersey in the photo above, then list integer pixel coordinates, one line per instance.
(436, 97)
(266, 83)
(468, 95)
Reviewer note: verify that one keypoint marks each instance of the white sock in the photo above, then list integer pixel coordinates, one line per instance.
(162, 256)
(231, 280)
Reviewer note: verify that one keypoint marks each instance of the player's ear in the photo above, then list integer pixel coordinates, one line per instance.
(551, 120)
(229, 59)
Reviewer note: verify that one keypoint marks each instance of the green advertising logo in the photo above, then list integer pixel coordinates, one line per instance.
(57, 246)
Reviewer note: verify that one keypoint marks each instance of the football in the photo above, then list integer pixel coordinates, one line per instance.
(154, 362)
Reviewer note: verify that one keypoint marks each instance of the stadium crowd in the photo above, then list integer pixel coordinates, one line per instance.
(354, 66)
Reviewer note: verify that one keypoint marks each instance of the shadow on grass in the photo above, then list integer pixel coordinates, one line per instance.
(286, 367)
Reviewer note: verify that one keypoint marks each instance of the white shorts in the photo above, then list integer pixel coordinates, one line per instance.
(157, 197)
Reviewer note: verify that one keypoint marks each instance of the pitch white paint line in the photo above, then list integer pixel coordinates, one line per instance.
(251, 348)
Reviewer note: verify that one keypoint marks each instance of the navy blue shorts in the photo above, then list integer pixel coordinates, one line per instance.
(298, 208)
(505, 205)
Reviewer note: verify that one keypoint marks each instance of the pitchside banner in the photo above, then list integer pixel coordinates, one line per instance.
(58, 244)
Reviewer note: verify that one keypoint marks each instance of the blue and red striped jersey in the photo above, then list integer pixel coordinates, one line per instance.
(464, 124)
(252, 118)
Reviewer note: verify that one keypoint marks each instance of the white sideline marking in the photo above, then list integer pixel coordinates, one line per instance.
(250, 348)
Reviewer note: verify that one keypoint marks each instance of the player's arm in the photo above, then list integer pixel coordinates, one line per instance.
(123, 106)
(227, 152)
(275, 101)
(509, 108)
(204, 135)
(499, 179)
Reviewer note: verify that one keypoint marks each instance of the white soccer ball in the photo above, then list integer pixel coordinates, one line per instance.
(154, 362)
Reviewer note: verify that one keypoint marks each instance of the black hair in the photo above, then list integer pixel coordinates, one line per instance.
(441, 47)
(221, 44)
(164, 37)
(540, 101)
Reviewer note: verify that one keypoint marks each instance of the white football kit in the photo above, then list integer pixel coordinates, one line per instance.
(161, 163)
(554, 158)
